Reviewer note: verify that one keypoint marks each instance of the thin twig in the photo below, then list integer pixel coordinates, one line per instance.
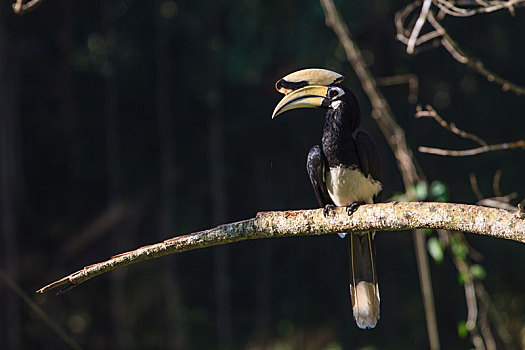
(494, 315)
(399, 19)
(417, 27)
(21, 8)
(496, 183)
(431, 112)
(39, 312)
(484, 326)
(463, 266)
(405, 36)
(477, 319)
(483, 7)
(455, 50)
(371, 217)
(472, 306)
(410, 79)
(497, 202)
(471, 252)
(474, 186)
(471, 152)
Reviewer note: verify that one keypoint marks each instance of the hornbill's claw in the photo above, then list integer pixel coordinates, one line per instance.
(327, 209)
(352, 207)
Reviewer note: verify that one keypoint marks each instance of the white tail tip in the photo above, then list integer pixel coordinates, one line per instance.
(365, 302)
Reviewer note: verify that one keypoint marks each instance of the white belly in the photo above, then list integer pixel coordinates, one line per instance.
(346, 185)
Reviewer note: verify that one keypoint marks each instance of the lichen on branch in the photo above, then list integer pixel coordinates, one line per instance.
(391, 216)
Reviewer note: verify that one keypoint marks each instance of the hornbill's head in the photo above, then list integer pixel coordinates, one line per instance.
(317, 88)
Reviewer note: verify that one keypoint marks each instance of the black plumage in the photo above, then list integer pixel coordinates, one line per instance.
(344, 147)
(344, 171)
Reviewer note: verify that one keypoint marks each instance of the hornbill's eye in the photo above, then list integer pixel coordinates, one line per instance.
(333, 93)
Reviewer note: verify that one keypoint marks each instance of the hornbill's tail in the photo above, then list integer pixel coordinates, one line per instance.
(364, 289)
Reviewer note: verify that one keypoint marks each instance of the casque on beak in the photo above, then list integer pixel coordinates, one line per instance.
(313, 96)
(305, 77)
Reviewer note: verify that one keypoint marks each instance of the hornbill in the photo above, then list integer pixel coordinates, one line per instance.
(344, 171)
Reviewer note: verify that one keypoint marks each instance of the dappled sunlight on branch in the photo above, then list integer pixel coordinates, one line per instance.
(391, 216)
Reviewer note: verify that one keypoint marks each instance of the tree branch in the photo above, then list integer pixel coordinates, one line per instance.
(20, 7)
(412, 39)
(429, 111)
(520, 144)
(294, 223)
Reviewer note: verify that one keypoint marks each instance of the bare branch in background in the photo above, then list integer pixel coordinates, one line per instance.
(471, 152)
(496, 183)
(20, 7)
(481, 312)
(413, 37)
(431, 112)
(498, 201)
(474, 7)
(494, 315)
(502, 202)
(417, 27)
(474, 186)
(411, 79)
(472, 305)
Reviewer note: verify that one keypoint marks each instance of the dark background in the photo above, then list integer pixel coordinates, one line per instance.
(128, 122)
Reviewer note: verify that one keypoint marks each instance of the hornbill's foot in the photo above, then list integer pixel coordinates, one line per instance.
(328, 209)
(352, 207)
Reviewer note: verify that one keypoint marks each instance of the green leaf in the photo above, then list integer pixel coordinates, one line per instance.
(478, 272)
(439, 191)
(462, 278)
(421, 190)
(438, 188)
(435, 249)
(462, 329)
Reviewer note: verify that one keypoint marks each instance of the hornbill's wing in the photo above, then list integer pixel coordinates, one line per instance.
(369, 158)
(315, 165)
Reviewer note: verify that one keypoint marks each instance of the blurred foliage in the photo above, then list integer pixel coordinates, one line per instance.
(435, 249)
(70, 58)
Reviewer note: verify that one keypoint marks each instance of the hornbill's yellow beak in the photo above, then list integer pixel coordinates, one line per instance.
(313, 96)
(305, 77)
